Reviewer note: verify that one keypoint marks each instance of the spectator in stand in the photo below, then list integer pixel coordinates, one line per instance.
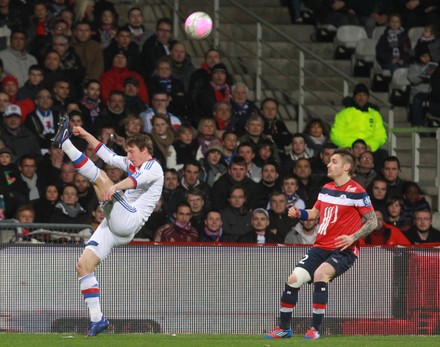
(364, 173)
(420, 85)
(230, 144)
(413, 199)
(378, 194)
(160, 102)
(246, 150)
(259, 233)
(43, 121)
(303, 233)
(385, 234)
(107, 28)
(123, 43)
(202, 77)
(180, 230)
(133, 125)
(213, 230)
(338, 13)
(135, 24)
(196, 200)
(395, 214)
(190, 180)
(163, 80)
(16, 136)
(88, 50)
(223, 117)
(71, 65)
(264, 153)
(83, 10)
(236, 174)
(28, 181)
(184, 147)
(280, 224)
(428, 38)
(67, 16)
(50, 165)
(115, 174)
(33, 84)
(206, 133)
(38, 28)
(255, 134)
(55, 7)
(393, 50)
(216, 90)
(52, 69)
(110, 138)
(422, 231)
(236, 217)
(157, 46)
(133, 102)
(67, 174)
(68, 210)
(114, 78)
(61, 95)
(298, 150)
(319, 164)
(181, 65)
(390, 173)
(317, 135)
(16, 60)
(157, 219)
(86, 194)
(289, 187)
(213, 165)
(91, 100)
(96, 217)
(9, 86)
(242, 107)
(308, 188)
(358, 147)
(45, 205)
(359, 121)
(163, 138)
(172, 193)
(372, 13)
(267, 185)
(416, 13)
(113, 114)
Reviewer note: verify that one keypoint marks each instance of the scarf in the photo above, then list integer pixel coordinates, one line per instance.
(393, 41)
(206, 68)
(213, 235)
(204, 141)
(165, 85)
(221, 92)
(240, 110)
(69, 210)
(163, 142)
(32, 185)
(92, 105)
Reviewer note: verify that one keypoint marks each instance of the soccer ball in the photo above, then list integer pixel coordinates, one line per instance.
(198, 25)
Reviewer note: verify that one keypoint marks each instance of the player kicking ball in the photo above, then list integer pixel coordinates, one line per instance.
(345, 216)
(127, 205)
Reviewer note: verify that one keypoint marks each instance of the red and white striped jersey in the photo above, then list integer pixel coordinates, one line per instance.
(340, 212)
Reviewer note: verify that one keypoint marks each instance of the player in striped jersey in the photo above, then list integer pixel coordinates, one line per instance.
(345, 215)
(127, 205)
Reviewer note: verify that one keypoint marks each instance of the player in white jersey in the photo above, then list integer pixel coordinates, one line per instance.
(127, 205)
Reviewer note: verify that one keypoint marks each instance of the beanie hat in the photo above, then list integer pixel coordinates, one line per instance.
(9, 78)
(360, 88)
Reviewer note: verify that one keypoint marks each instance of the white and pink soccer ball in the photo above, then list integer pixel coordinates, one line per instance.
(198, 25)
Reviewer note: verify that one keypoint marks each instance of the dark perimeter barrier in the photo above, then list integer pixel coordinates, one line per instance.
(216, 289)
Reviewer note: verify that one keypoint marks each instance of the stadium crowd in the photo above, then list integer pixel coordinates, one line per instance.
(231, 167)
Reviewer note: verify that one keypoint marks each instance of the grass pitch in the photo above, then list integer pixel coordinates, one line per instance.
(162, 340)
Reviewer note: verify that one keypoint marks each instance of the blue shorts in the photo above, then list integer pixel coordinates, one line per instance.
(341, 261)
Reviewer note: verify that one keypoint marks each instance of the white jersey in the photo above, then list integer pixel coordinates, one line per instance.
(147, 179)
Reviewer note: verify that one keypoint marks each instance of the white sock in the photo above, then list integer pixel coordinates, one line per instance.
(82, 163)
(90, 291)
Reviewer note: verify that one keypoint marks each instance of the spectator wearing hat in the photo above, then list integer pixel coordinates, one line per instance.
(9, 86)
(213, 164)
(114, 78)
(216, 90)
(123, 43)
(16, 136)
(15, 58)
(259, 233)
(133, 102)
(359, 121)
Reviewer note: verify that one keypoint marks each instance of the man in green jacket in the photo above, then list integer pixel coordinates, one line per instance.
(359, 120)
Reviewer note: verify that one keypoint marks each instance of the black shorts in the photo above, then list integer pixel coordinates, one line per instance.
(341, 261)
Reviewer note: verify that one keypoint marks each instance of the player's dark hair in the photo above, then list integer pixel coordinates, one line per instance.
(141, 141)
(347, 157)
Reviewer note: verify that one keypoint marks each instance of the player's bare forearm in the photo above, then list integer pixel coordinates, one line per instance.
(367, 228)
(345, 241)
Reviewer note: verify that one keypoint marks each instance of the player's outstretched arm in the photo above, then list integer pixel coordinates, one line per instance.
(82, 133)
(345, 241)
(303, 214)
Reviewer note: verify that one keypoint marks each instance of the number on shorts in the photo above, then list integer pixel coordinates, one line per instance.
(302, 261)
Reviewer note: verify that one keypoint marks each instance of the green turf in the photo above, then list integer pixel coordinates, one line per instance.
(162, 340)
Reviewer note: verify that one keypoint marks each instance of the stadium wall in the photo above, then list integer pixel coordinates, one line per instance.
(188, 289)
